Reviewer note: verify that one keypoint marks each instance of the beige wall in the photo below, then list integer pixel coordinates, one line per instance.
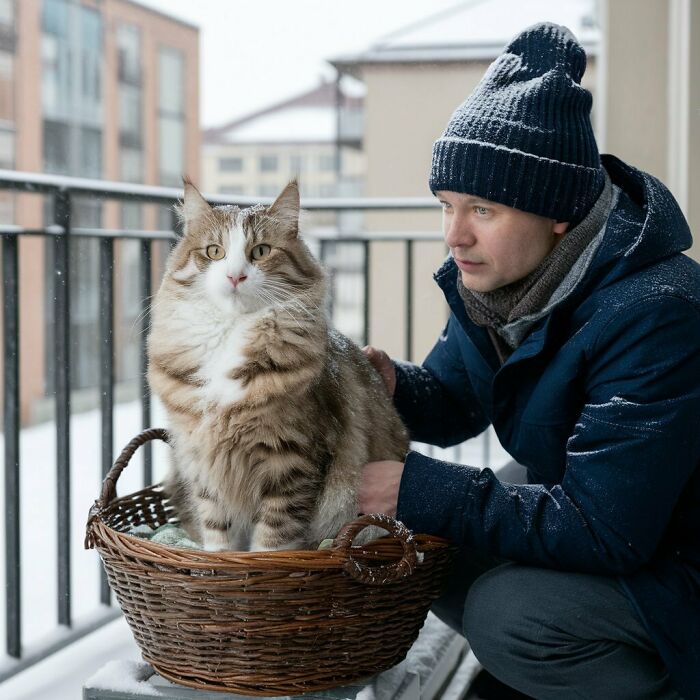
(636, 48)
(652, 94)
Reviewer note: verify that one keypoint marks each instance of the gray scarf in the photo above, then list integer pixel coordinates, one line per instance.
(503, 310)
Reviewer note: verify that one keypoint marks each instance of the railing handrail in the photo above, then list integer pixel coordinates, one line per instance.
(42, 183)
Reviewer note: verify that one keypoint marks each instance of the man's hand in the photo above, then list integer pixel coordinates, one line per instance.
(383, 364)
(379, 488)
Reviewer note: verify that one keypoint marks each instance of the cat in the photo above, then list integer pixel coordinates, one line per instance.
(271, 413)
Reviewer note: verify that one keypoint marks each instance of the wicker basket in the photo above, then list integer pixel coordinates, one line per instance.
(264, 623)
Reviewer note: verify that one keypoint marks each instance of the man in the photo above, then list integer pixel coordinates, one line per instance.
(575, 332)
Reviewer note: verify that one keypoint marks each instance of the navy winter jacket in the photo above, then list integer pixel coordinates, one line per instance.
(601, 404)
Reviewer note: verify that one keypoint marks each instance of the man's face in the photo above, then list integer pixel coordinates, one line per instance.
(492, 244)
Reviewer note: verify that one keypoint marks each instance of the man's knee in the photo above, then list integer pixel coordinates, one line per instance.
(494, 623)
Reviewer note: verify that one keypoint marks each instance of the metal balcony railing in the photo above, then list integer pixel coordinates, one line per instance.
(63, 191)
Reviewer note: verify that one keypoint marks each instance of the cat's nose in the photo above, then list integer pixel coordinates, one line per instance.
(235, 280)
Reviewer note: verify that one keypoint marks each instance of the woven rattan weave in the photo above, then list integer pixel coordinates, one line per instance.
(264, 623)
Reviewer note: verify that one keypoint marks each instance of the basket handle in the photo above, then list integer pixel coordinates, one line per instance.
(109, 485)
(377, 574)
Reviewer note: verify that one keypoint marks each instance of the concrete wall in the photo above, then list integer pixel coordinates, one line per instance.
(651, 86)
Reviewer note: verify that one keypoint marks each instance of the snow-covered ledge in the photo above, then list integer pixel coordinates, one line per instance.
(438, 665)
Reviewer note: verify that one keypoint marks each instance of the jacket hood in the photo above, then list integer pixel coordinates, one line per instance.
(646, 226)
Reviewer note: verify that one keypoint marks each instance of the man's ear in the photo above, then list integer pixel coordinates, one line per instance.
(560, 227)
(193, 207)
(285, 209)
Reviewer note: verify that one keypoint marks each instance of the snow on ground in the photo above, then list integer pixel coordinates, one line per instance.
(38, 518)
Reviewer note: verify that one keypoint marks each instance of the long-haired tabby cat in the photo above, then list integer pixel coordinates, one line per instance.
(271, 413)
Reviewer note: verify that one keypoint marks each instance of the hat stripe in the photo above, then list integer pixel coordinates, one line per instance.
(500, 147)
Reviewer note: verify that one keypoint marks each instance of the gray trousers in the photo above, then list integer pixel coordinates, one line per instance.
(553, 634)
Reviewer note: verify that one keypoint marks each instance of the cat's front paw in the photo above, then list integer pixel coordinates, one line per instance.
(214, 540)
(268, 539)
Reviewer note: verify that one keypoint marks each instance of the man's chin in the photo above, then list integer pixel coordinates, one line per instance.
(474, 284)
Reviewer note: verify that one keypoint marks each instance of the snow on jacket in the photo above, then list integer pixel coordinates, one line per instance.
(601, 404)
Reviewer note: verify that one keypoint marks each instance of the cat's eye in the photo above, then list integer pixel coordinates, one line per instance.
(260, 251)
(215, 252)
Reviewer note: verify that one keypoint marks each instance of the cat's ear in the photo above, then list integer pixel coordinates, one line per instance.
(285, 209)
(193, 206)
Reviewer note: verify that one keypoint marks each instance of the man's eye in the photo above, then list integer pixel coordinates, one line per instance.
(260, 251)
(215, 252)
(446, 206)
(481, 211)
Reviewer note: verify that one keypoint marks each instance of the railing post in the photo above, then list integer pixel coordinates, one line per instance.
(62, 215)
(106, 372)
(365, 309)
(13, 578)
(409, 300)
(145, 292)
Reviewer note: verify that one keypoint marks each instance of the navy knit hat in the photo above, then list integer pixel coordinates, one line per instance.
(524, 137)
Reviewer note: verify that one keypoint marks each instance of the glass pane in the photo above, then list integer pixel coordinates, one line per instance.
(129, 53)
(268, 164)
(131, 165)
(7, 106)
(7, 149)
(172, 146)
(171, 81)
(130, 110)
(7, 12)
(54, 17)
(90, 152)
(231, 165)
(56, 147)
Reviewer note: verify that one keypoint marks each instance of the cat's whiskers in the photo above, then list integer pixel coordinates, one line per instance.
(280, 305)
(152, 305)
(303, 299)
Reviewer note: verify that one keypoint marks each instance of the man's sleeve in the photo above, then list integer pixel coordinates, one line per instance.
(631, 453)
(436, 400)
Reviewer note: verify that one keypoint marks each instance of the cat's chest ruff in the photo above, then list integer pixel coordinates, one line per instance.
(222, 353)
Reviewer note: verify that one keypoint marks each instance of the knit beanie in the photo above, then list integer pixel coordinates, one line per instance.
(524, 138)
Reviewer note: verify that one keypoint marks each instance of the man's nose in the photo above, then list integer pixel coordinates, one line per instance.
(458, 233)
(235, 280)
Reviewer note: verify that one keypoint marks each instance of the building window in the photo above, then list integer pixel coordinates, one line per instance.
(131, 164)
(54, 18)
(91, 65)
(268, 164)
(231, 189)
(171, 120)
(7, 12)
(72, 48)
(56, 78)
(7, 84)
(269, 190)
(130, 121)
(297, 164)
(326, 162)
(90, 152)
(56, 147)
(231, 165)
(7, 148)
(129, 54)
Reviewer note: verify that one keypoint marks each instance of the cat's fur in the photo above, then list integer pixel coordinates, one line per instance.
(272, 414)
